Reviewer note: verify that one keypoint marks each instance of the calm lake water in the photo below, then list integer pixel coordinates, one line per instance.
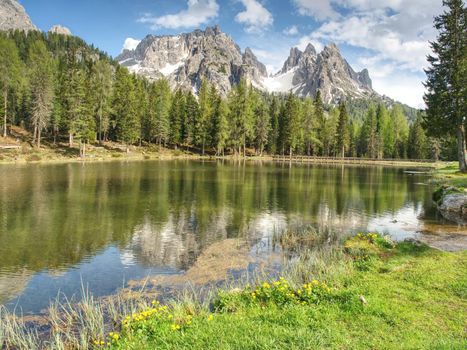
(62, 226)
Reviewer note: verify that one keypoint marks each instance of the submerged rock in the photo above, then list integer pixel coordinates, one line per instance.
(452, 204)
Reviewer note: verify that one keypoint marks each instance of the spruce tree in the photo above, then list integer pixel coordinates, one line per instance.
(343, 137)
(177, 118)
(274, 109)
(262, 125)
(446, 96)
(310, 127)
(192, 115)
(320, 116)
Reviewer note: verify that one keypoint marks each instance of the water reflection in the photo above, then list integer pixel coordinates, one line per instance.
(103, 223)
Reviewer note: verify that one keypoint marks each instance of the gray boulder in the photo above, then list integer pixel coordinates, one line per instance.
(452, 204)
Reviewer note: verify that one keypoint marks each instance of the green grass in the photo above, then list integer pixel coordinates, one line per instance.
(451, 176)
(375, 295)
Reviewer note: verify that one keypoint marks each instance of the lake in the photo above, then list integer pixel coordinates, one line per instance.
(63, 226)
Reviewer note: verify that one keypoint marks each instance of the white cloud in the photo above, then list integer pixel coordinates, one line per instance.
(197, 13)
(305, 40)
(256, 17)
(402, 87)
(319, 9)
(130, 44)
(293, 30)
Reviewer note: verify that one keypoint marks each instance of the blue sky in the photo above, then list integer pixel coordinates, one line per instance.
(389, 37)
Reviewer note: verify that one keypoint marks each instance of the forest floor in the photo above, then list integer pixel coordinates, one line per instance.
(18, 148)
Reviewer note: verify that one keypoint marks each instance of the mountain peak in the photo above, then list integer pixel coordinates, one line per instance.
(310, 49)
(13, 16)
(58, 29)
(186, 59)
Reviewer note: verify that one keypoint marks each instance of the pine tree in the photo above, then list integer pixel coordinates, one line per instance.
(446, 96)
(41, 72)
(161, 108)
(343, 137)
(10, 71)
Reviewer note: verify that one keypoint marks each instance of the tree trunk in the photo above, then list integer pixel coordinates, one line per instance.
(70, 138)
(5, 96)
(39, 137)
(34, 135)
(461, 148)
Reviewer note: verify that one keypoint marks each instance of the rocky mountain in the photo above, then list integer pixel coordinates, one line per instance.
(13, 16)
(58, 29)
(186, 59)
(304, 73)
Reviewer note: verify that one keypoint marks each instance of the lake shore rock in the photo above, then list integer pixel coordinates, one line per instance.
(452, 203)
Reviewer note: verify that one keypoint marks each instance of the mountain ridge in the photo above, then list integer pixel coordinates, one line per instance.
(185, 59)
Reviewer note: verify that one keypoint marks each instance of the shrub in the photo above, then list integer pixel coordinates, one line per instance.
(33, 158)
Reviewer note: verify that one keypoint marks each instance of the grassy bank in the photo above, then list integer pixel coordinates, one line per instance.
(369, 294)
(449, 175)
(364, 293)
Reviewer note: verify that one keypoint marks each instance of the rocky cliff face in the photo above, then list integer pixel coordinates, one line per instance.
(13, 16)
(186, 59)
(304, 73)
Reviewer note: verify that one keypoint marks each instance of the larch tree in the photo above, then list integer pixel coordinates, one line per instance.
(103, 82)
(41, 79)
(10, 71)
(446, 96)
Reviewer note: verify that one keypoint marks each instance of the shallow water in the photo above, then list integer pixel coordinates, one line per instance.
(99, 225)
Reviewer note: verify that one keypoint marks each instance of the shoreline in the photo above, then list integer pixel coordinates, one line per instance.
(168, 155)
(364, 277)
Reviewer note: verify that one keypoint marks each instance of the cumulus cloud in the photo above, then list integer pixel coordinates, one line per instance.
(197, 13)
(256, 17)
(130, 44)
(293, 30)
(319, 9)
